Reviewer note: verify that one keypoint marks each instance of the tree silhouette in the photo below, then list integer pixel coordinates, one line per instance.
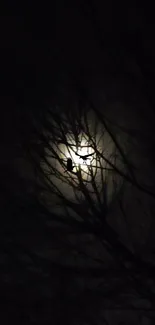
(79, 205)
(76, 246)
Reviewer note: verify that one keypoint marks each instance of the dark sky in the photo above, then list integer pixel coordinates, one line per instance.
(108, 49)
(43, 45)
(39, 41)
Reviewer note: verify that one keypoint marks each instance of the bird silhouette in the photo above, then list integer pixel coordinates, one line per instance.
(84, 157)
(69, 165)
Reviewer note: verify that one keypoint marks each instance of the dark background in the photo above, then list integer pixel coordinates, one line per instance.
(108, 49)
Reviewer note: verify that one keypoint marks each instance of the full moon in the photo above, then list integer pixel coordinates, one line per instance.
(81, 154)
(91, 177)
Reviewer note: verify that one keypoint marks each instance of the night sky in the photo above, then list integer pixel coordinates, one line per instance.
(51, 56)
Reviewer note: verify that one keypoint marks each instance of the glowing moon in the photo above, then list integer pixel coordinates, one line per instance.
(91, 175)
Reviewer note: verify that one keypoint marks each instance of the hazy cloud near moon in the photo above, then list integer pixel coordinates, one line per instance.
(94, 170)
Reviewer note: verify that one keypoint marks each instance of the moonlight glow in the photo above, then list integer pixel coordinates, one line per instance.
(90, 174)
(78, 153)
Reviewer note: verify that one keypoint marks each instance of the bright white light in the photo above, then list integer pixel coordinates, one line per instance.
(76, 154)
(82, 152)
